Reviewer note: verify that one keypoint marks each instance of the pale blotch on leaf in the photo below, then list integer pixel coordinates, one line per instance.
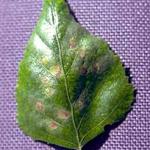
(41, 47)
(53, 125)
(63, 114)
(72, 43)
(49, 91)
(39, 106)
(48, 30)
(45, 80)
(56, 71)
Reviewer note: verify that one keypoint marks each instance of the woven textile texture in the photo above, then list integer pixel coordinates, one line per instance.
(125, 24)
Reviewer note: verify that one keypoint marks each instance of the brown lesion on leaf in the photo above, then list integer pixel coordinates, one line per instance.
(56, 71)
(53, 125)
(79, 104)
(45, 80)
(83, 70)
(72, 43)
(39, 106)
(97, 67)
(63, 114)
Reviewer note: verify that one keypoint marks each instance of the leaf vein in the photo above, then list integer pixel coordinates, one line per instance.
(100, 122)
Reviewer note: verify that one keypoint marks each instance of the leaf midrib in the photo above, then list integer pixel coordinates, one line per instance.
(67, 91)
(66, 85)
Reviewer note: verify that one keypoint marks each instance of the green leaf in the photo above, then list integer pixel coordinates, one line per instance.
(71, 85)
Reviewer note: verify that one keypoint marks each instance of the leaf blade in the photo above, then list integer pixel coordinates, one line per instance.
(65, 81)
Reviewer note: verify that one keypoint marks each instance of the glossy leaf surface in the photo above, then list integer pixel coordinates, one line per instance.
(71, 85)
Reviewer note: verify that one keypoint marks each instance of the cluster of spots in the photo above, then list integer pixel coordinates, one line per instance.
(56, 71)
(47, 85)
(63, 114)
(53, 125)
(39, 106)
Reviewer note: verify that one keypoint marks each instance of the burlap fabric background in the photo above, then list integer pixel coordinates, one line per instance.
(125, 24)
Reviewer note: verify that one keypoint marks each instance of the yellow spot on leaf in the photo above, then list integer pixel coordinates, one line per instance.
(44, 60)
(55, 70)
(49, 91)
